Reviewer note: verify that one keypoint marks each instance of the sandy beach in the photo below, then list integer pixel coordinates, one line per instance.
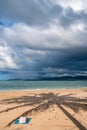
(48, 109)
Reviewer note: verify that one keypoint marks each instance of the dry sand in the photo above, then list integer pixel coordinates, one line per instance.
(49, 109)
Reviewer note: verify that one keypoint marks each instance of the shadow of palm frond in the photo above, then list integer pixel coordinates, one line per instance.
(23, 101)
(43, 101)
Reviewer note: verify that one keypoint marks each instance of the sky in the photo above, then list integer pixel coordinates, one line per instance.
(43, 38)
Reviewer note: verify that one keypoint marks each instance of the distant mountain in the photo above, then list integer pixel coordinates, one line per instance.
(54, 78)
(66, 78)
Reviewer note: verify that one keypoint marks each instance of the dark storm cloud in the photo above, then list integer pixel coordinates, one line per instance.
(49, 54)
(40, 12)
(35, 12)
(70, 17)
(42, 38)
(70, 62)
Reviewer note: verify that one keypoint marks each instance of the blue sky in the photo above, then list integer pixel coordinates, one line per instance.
(43, 38)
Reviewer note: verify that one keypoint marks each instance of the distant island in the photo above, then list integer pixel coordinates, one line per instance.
(66, 78)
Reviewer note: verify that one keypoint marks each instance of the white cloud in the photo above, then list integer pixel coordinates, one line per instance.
(54, 70)
(75, 4)
(78, 27)
(6, 60)
(54, 37)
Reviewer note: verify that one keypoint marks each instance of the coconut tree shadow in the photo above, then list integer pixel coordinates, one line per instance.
(43, 101)
(23, 101)
(74, 120)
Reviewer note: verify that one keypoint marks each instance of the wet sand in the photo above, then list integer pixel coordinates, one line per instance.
(49, 109)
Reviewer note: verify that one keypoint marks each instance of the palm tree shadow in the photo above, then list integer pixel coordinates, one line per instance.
(43, 101)
(74, 120)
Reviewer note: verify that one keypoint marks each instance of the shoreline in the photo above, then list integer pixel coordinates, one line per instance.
(37, 89)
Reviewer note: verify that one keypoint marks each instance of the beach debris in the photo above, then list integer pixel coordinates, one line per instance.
(22, 120)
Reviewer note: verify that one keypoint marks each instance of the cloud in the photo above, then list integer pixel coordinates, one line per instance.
(42, 38)
(72, 17)
(42, 13)
(52, 38)
(34, 50)
(75, 5)
(32, 12)
(6, 60)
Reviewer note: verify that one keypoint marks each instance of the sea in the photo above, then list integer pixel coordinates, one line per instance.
(38, 85)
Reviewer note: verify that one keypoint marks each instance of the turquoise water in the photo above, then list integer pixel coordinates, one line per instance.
(34, 85)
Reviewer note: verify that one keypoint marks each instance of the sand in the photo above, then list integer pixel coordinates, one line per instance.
(49, 109)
